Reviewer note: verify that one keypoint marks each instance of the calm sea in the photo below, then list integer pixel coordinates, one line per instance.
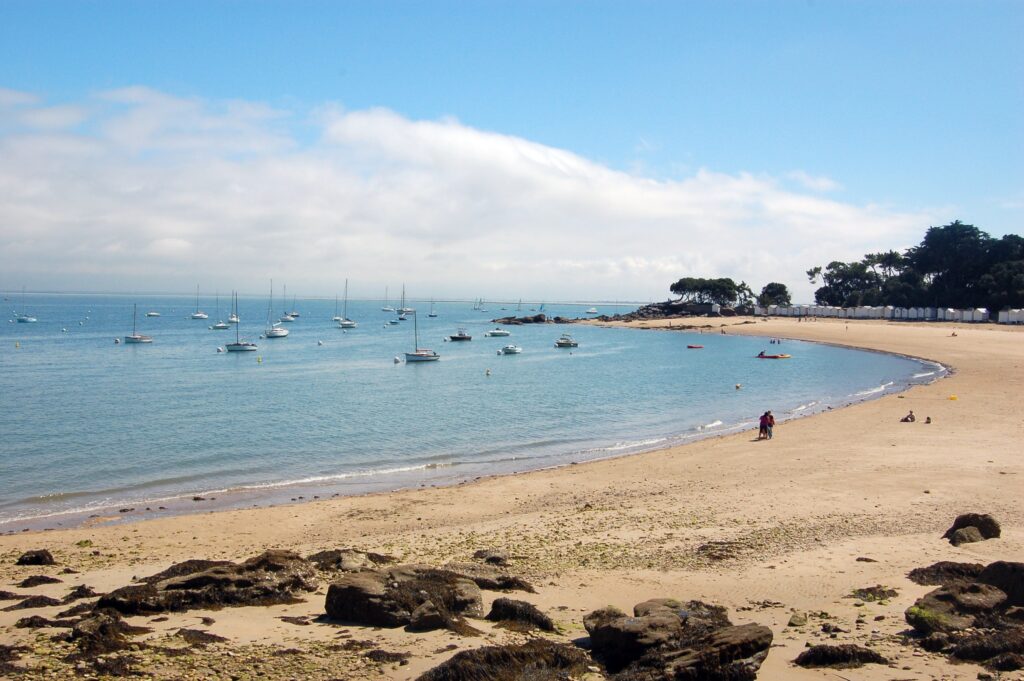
(91, 427)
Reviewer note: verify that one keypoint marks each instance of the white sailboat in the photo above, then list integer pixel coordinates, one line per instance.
(239, 345)
(419, 354)
(199, 314)
(221, 325)
(274, 329)
(402, 309)
(136, 337)
(432, 313)
(345, 322)
(336, 317)
(386, 307)
(24, 317)
(287, 317)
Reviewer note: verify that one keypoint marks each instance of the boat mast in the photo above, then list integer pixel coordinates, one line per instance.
(344, 310)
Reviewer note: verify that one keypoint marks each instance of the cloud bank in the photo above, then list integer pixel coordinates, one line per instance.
(138, 190)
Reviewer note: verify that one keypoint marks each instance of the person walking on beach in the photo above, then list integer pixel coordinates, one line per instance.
(771, 424)
(762, 430)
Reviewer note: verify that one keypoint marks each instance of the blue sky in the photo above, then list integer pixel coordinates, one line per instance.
(903, 114)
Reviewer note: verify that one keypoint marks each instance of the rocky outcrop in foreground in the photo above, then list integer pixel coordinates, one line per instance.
(975, 616)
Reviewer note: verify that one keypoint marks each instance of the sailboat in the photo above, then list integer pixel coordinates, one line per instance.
(199, 314)
(239, 345)
(274, 329)
(221, 325)
(295, 311)
(419, 354)
(386, 307)
(287, 316)
(24, 317)
(402, 309)
(432, 313)
(136, 337)
(337, 317)
(345, 322)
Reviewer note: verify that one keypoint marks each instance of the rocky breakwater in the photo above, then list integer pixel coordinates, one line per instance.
(532, 319)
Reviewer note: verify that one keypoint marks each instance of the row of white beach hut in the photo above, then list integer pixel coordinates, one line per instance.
(928, 314)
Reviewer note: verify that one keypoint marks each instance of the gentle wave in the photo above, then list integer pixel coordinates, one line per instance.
(713, 424)
(873, 391)
(925, 374)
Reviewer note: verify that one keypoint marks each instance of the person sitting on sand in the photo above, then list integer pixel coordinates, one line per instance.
(909, 418)
(927, 419)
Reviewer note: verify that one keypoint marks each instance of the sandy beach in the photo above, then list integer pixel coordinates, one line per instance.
(764, 528)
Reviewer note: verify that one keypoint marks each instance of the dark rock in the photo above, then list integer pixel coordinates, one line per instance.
(987, 526)
(537, 660)
(35, 557)
(517, 321)
(349, 560)
(187, 567)
(950, 608)
(659, 606)
(1008, 577)
(389, 597)
(79, 592)
(199, 638)
(363, 598)
(519, 615)
(1007, 662)
(839, 657)
(982, 645)
(36, 580)
(702, 618)
(492, 556)
(935, 641)
(386, 656)
(945, 573)
(33, 602)
(9, 596)
(270, 578)
(619, 641)
(37, 622)
(104, 632)
(966, 535)
(426, 617)
(76, 610)
(727, 654)
(490, 577)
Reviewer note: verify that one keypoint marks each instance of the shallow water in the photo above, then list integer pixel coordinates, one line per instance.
(89, 426)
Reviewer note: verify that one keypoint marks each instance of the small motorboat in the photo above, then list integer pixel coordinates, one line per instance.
(220, 326)
(592, 310)
(497, 331)
(761, 355)
(510, 350)
(152, 313)
(566, 341)
(695, 347)
(462, 335)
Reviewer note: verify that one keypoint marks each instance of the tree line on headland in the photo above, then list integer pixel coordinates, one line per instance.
(956, 265)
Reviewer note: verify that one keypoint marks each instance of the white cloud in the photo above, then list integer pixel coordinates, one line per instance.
(182, 190)
(814, 183)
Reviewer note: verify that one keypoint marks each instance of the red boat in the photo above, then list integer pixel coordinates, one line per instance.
(695, 347)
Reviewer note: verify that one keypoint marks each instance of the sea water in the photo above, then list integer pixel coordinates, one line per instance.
(90, 427)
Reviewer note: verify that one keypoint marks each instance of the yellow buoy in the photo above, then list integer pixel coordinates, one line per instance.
(17, 345)
(259, 360)
(953, 397)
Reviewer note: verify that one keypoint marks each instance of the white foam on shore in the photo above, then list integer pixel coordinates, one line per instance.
(873, 391)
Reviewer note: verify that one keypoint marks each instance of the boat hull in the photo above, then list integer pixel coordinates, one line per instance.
(422, 356)
(240, 347)
(136, 340)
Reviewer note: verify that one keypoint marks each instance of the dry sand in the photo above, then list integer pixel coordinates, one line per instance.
(764, 528)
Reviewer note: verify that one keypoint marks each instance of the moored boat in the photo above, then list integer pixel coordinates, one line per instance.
(510, 350)
(419, 354)
(461, 335)
(136, 337)
(497, 331)
(566, 341)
